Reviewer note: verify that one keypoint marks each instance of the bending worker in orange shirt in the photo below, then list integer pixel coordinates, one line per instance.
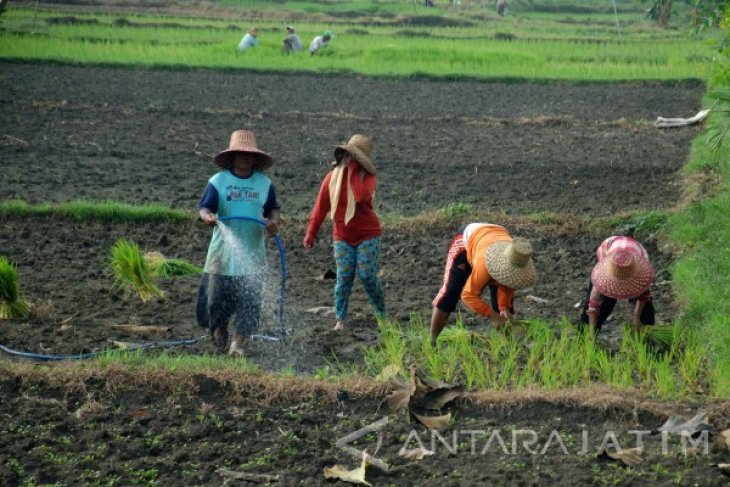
(483, 255)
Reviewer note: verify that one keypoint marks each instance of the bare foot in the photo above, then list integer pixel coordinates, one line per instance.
(220, 339)
(340, 325)
(237, 346)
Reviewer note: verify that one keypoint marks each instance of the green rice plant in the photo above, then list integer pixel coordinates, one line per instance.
(163, 267)
(634, 347)
(539, 49)
(104, 210)
(664, 377)
(131, 272)
(665, 336)
(455, 210)
(543, 355)
(12, 304)
(391, 349)
(692, 360)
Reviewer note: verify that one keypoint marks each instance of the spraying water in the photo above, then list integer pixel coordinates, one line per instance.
(293, 344)
(257, 272)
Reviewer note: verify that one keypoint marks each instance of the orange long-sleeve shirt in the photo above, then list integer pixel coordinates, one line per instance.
(476, 249)
(364, 224)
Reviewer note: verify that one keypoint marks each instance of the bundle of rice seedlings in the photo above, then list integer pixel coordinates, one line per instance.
(662, 335)
(162, 267)
(12, 305)
(131, 272)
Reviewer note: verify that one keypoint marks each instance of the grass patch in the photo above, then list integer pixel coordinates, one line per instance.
(12, 304)
(111, 211)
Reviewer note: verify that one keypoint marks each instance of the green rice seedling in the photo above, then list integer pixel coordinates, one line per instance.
(664, 377)
(691, 360)
(391, 349)
(12, 304)
(131, 272)
(664, 336)
(162, 267)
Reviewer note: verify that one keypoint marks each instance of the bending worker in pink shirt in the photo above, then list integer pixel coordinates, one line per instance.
(483, 255)
(347, 195)
(622, 271)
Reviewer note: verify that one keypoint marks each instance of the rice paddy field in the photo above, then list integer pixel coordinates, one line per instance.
(541, 121)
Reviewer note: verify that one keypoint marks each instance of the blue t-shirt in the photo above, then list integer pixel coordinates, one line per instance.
(237, 248)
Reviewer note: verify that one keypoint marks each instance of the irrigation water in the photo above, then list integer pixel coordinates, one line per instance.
(277, 342)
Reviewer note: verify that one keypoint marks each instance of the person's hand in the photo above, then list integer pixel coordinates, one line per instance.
(496, 319)
(272, 226)
(209, 218)
(308, 241)
(637, 323)
(506, 315)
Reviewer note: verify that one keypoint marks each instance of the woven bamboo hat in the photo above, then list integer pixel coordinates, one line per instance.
(622, 275)
(510, 263)
(361, 148)
(243, 141)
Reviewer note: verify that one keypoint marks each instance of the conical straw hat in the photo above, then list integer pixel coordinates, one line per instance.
(622, 275)
(510, 263)
(243, 141)
(361, 148)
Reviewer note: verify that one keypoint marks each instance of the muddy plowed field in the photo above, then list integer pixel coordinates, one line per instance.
(141, 136)
(145, 136)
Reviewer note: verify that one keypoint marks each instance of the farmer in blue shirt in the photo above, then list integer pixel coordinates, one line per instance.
(233, 276)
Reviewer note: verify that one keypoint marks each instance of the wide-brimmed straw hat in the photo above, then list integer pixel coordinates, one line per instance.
(622, 275)
(360, 147)
(243, 141)
(253, 31)
(509, 262)
(290, 28)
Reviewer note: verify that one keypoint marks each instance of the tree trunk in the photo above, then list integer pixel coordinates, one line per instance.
(665, 12)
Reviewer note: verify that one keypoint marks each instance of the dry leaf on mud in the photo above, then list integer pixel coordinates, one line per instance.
(90, 407)
(433, 384)
(141, 414)
(630, 456)
(414, 453)
(143, 330)
(123, 345)
(441, 397)
(434, 422)
(259, 478)
(536, 299)
(398, 399)
(677, 424)
(723, 439)
(356, 476)
(321, 310)
(401, 393)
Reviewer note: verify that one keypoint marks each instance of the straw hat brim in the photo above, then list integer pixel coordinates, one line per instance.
(261, 159)
(505, 272)
(358, 154)
(609, 285)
